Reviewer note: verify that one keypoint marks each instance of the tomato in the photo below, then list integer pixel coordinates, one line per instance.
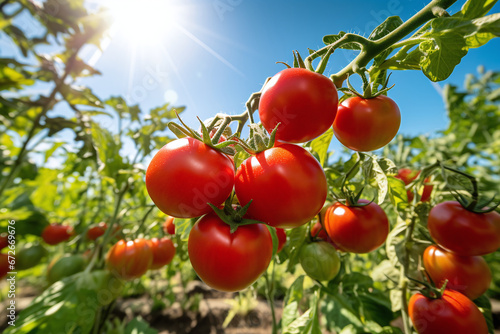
(4, 265)
(130, 259)
(469, 275)
(4, 240)
(357, 229)
(229, 261)
(168, 226)
(56, 233)
(303, 102)
(185, 175)
(367, 124)
(281, 234)
(30, 256)
(286, 183)
(317, 231)
(98, 230)
(407, 176)
(163, 252)
(464, 232)
(320, 261)
(65, 266)
(452, 313)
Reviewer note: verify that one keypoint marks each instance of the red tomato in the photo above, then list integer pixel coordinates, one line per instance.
(303, 102)
(367, 124)
(98, 230)
(4, 240)
(4, 265)
(407, 176)
(317, 231)
(281, 234)
(357, 229)
(229, 261)
(56, 233)
(452, 313)
(163, 252)
(469, 275)
(185, 175)
(130, 259)
(168, 226)
(287, 185)
(464, 232)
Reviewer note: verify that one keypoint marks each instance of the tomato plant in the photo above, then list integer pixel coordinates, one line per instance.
(451, 313)
(130, 259)
(304, 103)
(367, 124)
(320, 261)
(407, 176)
(462, 231)
(54, 234)
(469, 275)
(65, 266)
(185, 175)
(357, 229)
(286, 185)
(229, 261)
(168, 226)
(163, 252)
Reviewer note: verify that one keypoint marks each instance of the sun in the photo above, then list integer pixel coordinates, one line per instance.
(144, 22)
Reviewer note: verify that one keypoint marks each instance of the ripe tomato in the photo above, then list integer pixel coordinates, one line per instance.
(185, 175)
(4, 240)
(359, 229)
(229, 261)
(367, 124)
(68, 265)
(163, 252)
(30, 256)
(130, 259)
(286, 183)
(464, 232)
(303, 102)
(168, 226)
(281, 234)
(452, 313)
(317, 231)
(56, 233)
(4, 265)
(469, 275)
(98, 230)
(407, 176)
(320, 261)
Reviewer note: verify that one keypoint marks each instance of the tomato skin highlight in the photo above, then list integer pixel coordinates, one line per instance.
(185, 175)
(452, 313)
(56, 233)
(130, 259)
(464, 232)
(228, 261)
(357, 229)
(469, 275)
(367, 124)
(163, 252)
(286, 184)
(303, 102)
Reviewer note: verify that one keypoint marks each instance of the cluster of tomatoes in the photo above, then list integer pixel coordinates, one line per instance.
(462, 237)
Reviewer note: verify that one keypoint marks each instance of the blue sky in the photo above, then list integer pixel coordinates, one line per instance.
(211, 55)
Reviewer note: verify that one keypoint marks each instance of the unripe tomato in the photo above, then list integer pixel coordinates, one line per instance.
(168, 226)
(320, 261)
(130, 259)
(30, 256)
(4, 240)
(185, 175)
(452, 313)
(281, 234)
(469, 275)
(229, 261)
(65, 266)
(4, 265)
(303, 102)
(407, 176)
(286, 184)
(357, 229)
(163, 252)
(56, 233)
(462, 231)
(367, 124)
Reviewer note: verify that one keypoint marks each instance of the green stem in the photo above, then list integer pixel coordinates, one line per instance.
(403, 281)
(270, 296)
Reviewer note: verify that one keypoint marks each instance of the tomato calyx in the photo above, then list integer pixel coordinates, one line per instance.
(369, 88)
(429, 289)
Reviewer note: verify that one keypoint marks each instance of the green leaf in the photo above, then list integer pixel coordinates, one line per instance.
(390, 24)
(397, 193)
(139, 326)
(291, 303)
(484, 305)
(320, 145)
(52, 149)
(75, 95)
(475, 8)
(329, 39)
